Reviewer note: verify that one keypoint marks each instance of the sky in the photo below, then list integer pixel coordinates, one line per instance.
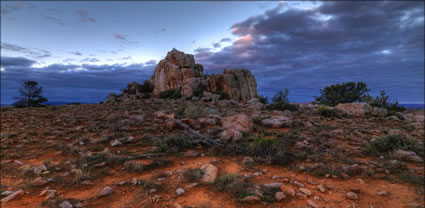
(80, 51)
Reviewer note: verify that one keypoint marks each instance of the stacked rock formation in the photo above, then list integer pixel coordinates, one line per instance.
(179, 71)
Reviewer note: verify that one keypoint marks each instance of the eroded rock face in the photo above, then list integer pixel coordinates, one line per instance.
(179, 71)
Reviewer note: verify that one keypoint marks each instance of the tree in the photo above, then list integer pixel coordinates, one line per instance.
(281, 97)
(343, 93)
(30, 95)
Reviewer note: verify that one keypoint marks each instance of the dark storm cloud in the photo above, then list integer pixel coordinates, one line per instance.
(69, 82)
(378, 42)
(83, 16)
(31, 52)
(150, 62)
(16, 62)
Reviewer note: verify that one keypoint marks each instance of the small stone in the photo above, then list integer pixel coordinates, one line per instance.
(312, 204)
(305, 191)
(177, 205)
(152, 191)
(251, 199)
(191, 153)
(116, 142)
(179, 191)
(352, 195)
(39, 182)
(130, 138)
(287, 190)
(279, 196)
(298, 184)
(12, 196)
(106, 191)
(321, 188)
(258, 173)
(79, 205)
(18, 163)
(272, 185)
(5, 193)
(247, 160)
(65, 204)
(210, 173)
(382, 193)
(359, 181)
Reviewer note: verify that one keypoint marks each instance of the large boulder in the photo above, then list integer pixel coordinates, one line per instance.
(240, 122)
(379, 112)
(179, 71)
(176, 71)
(354, 109)
(239, 84)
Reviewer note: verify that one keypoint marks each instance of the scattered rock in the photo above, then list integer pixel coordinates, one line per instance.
(305, 191)
(277, 121)
(191, 153)
(247, 160)
(39, 182)
(251, 199)
(65, 204)
(179, 191)
(352, 195)
(279, 196)
(116, 142)
(106, 191)
(210, 173)
(382, 193)
(379, 112)
(321, 188)
(287, 190)
(12, 196)
(233, 134)
(272, 185)
(298, 184)
(312, 204)
(240, 122)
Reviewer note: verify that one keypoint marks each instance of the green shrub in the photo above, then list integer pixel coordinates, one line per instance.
(223, 95)
(146, 87)
(193, 175)
(263, 99)
(343, 93)
(173, 144)
(193, 112)
(170, 94)
(198, 92)
(327, 112)
(390, 143)
(280, 101)
(382, 101)
(234, 185)
(271, 149)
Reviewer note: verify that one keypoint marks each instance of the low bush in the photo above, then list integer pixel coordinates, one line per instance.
(327, 112)
(192, 111)
(390, 143)
(263, 99)
(193, 175)
(223, 95)
(234, 185)
(280, 101)
(173, 144)
(382, 101)
(170, 94)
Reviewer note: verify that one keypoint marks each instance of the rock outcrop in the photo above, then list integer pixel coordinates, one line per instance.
(179, 71)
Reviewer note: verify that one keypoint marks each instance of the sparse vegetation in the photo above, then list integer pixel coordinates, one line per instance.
(385, 144)
(280, 101)
(193, 175)
(382, 101)
(327, 112)
(234, 184)
(170, 94)
(173, 144)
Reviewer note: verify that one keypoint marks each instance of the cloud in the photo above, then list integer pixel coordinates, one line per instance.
(11, 7)
(77, 53)
(83, 16)
(16, 62)
(55, 20)
(31, 52)
(225, 40)
(305, 50)
(162, 30)
(70, 82)
(126, 58)
(93, 60)
(150, 62)
(123, 39)
(216, 45)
